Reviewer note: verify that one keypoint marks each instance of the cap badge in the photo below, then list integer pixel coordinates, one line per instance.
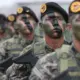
(75, 7)
(20, 10)
(43, 8)
(11, 18)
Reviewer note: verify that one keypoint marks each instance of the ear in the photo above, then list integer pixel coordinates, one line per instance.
(69, 26)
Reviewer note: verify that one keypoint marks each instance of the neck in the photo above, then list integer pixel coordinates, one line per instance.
(54, 43)
(76, 44)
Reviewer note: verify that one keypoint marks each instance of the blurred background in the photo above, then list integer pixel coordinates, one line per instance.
(9, 6)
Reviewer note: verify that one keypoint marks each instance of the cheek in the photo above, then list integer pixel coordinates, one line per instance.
(26, 31)
(33, 24)
(61, 25)
(48, 24)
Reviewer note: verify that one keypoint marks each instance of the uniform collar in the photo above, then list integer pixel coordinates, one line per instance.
(48, 49)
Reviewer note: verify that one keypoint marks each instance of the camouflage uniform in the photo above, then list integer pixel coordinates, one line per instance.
(12, 46)
(41, 48)
(5, 35)
(15, 67)
(14, 72)
(4, 38)
(64, 63)
(2, 76)
(52, 65)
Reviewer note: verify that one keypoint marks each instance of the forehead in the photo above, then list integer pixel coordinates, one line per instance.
(73, 16)
(53, 14)
(27, 15)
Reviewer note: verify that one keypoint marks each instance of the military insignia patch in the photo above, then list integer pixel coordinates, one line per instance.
(75, 7)
(43, 8)
(19, 10)
(11, 18)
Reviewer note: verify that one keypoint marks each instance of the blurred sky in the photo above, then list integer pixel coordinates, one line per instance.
(9, 6)
(11, 2)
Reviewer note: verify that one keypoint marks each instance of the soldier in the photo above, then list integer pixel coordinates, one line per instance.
(27, 21)
(27, 18)
(53, 27)
(3, 22)
(10, 24)
(64, 64)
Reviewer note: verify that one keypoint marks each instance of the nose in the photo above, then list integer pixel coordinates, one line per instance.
(55, 23)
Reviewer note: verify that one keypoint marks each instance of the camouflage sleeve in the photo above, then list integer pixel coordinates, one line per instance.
(45, 69)
(11, 71)
(8, 71)
(2, 51)
(26, 49)
(2, 76)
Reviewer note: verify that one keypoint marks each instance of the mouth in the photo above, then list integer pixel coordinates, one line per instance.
(55, 33)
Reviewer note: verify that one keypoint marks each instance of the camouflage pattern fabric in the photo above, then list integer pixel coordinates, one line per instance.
(48, 67)
(19, 71)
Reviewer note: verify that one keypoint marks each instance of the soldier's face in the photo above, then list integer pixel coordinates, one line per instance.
(75, 21)
(53, 25)
(28, 23)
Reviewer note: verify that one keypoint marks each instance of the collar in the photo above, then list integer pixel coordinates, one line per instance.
(48, 49)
